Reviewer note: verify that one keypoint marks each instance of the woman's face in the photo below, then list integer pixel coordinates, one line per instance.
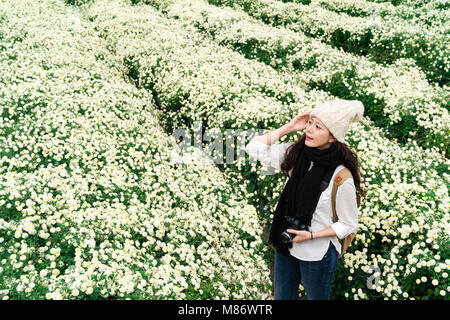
(317, 135)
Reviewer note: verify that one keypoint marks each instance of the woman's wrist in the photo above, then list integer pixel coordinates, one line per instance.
(275, 135)
(287, 128)
(327, 232)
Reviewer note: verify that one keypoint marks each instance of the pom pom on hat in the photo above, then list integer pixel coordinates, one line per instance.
(337, 115)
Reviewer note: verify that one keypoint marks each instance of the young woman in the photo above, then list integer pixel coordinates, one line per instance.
(310, 163)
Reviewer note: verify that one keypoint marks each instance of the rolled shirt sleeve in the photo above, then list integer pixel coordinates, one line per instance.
(346, 209)
(272, 155)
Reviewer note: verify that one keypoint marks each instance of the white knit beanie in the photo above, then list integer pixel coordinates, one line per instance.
(337, 115)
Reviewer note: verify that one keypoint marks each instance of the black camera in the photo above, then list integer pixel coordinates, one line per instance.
(291, 223)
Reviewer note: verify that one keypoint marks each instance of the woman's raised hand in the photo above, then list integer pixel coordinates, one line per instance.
(299, 122)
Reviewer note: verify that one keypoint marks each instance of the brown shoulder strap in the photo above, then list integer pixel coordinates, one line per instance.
(339, 179)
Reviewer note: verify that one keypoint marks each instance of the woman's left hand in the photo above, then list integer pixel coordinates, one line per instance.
(301, 235)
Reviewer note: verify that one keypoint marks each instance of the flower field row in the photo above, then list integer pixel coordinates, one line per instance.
(192, 78)
(383, 42)
(416, 4)
(94, 203)
(431, 14)
(406, 108)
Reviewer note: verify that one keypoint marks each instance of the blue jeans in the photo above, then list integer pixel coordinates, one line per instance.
(316, 276)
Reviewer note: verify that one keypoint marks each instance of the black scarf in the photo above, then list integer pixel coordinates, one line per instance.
(303, 189)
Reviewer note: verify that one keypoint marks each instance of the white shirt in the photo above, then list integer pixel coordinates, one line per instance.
(346, 205)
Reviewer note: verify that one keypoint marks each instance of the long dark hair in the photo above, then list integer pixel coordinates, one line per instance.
(350, 160)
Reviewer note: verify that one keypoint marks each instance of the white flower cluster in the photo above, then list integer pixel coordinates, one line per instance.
(383, 39)
(428, 14)
(91, 201)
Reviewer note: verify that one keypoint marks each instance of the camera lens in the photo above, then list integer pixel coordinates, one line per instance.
(286, 237)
